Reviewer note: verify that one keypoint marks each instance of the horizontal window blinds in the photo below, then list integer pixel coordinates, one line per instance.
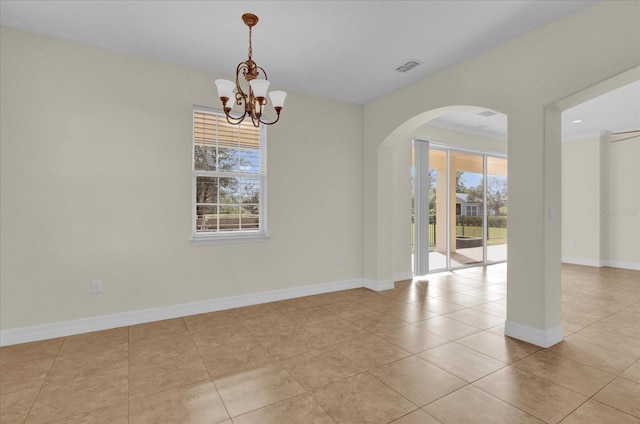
(212, 130)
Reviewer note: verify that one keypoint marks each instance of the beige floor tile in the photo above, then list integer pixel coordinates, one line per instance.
(157, 376)
(292, 305)
(448, 328)
(417, 380)
(194, 404)
(338, 331)
(79, 395)
(96, 341)
(326, 298)
(161, 349)
(633, 372)
(565, 372)
(30, 351)
(487, 295)
(362, 399)
(348, 308)
(114, 414)
(621, 394)
(593, 412)
(463, 300)
(254, 311)
(371, 351)
(471, 405)
(152, 331)
(411, 338)
(409, 313)
(504, 349)
(269, 324)
(18, 376)
(602, 358)
(310, 316)
(81, 363)
(617, 342)
(476, 318)
(439, 306)
(15, 406)
(297, 410)
(460, 361)
(630, 315)
(416, 417)
(211, 319)
(493, 308)
(375, 321)
(619, 327)
(291, 342)
(537, 396)
(229, 359)
(257, 388)
(231, 332)
(320, 367)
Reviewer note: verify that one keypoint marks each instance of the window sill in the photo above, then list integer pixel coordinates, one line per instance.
(208, 239)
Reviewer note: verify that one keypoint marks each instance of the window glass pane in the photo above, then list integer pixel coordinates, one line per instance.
(206, 218)
(250, 217)
(204, 158)
(229, 190)
(229, 217)
(249, 190)
(206, 189)
(239, 160)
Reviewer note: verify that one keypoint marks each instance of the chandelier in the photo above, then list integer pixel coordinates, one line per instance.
(255, 100)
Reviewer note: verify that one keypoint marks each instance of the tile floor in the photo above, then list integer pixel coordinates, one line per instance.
(425, 352)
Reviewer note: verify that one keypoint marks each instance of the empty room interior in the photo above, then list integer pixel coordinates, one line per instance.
(393, 212)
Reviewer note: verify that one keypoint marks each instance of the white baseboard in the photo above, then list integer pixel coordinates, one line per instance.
(622, 264)
(106, 322)
(542, 338)
(401, 276)
(602, 262)
(378, 285)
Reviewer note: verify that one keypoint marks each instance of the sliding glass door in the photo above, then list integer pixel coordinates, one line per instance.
(459, 220)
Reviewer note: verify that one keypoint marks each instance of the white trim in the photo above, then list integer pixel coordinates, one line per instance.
(403, 275)
(542, 338)
(237, 237)
(622, 264)
(378, 285)
(602, 263)
(105, 322)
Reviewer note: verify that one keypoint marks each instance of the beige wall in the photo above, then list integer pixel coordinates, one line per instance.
(601, 202)
(96, 184)
(524, 79)
(581, 201)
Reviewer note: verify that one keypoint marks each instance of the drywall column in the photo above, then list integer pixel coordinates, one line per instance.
(533, 291)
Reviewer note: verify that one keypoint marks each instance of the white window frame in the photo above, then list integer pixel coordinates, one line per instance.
(229, 237)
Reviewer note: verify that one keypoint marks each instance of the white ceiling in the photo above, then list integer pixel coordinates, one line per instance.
(617, 110)
(346, 50)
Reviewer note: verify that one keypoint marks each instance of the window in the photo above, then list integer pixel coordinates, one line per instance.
(229, 179)
(472, 210)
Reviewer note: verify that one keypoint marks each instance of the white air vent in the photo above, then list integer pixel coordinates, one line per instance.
(488, 113)
(407, 66)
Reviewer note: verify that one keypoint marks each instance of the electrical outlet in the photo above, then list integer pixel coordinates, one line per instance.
(338, 260)
(96, 286)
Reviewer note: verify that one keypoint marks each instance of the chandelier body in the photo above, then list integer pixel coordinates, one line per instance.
(255, 100)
